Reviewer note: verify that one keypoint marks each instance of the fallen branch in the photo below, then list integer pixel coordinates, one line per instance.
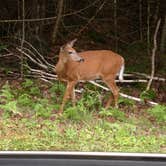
(42, 72)
(6, 55)
(122, 94)
(147, 76)
(45, 80)
(32, 59)
(37, 52)
(30, 52)
(131, 81)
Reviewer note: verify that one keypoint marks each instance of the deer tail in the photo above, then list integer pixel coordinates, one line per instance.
(121, 72)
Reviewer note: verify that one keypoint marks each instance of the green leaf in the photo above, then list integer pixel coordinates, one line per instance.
(11, 107)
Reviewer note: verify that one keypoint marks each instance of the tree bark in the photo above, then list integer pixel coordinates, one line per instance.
(59, 16)
(163, 38)
(148, 27)
(140, 20)
(115, 25)
(23, 38)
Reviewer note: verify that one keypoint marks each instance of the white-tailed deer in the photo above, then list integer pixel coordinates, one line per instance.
(88, 65)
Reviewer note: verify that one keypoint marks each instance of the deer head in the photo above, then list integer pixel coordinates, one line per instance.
(68, 52)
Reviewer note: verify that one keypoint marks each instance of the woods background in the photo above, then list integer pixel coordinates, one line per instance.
(31, 34)
(126, 27)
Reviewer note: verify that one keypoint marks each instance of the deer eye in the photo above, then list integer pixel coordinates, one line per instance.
(70, 52)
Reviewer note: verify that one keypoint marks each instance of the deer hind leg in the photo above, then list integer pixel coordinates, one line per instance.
(115, 91)
(67, 95)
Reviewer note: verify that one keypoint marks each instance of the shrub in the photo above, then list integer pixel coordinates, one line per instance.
(113, 112)
(159, 112)
(150, 94)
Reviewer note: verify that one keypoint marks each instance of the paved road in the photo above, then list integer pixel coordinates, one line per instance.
(76, 162)
(85, 159)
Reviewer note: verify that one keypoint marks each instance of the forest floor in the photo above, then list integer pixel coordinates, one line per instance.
(29, 120)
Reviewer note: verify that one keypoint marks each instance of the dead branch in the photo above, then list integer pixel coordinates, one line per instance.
(31, 53)
(131, 81)
(37, 52)
(153, 55)
(147, 76)
(32, 59)
(40, 71)
(122, 94)
(6, 55)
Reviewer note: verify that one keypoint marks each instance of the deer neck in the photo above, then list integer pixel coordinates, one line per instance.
(61, 67)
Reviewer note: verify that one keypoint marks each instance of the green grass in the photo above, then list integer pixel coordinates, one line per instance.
(29, 121)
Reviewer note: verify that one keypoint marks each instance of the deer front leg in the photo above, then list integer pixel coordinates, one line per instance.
(67, 95)
(73, 96)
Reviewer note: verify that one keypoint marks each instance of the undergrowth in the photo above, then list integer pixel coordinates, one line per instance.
(29, 121)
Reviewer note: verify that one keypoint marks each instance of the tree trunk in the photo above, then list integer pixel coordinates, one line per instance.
(140, 20)
(59, 16)
(163, 38)
(153, 55)
(148, 27)
(115, 26)
(23, 38)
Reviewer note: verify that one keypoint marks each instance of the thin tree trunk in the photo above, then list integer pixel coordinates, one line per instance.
(18, 9)
(148, 27)
(42, 14)
(59, 16)
(115, 25)
(18, 16)
(156, 13)
(163, 38)
(37, 13)
(23, 38)
(153, 55)
(140, 20)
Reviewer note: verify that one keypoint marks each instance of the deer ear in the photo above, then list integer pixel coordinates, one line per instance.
(71, 43)
(62, 48)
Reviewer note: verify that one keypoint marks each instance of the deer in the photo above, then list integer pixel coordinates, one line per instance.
(73, 67)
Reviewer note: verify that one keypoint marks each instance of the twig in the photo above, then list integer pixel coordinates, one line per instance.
(137, 99)
(131, 81)
(32, 59)
(49, 18)
(46, 80)
(26, 49)
(147, 76)
(42, 72)
(5, 55)
(91, 19)
(153, 55)
(37, 52)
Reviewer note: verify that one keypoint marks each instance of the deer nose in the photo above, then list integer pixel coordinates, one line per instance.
(81, 60)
